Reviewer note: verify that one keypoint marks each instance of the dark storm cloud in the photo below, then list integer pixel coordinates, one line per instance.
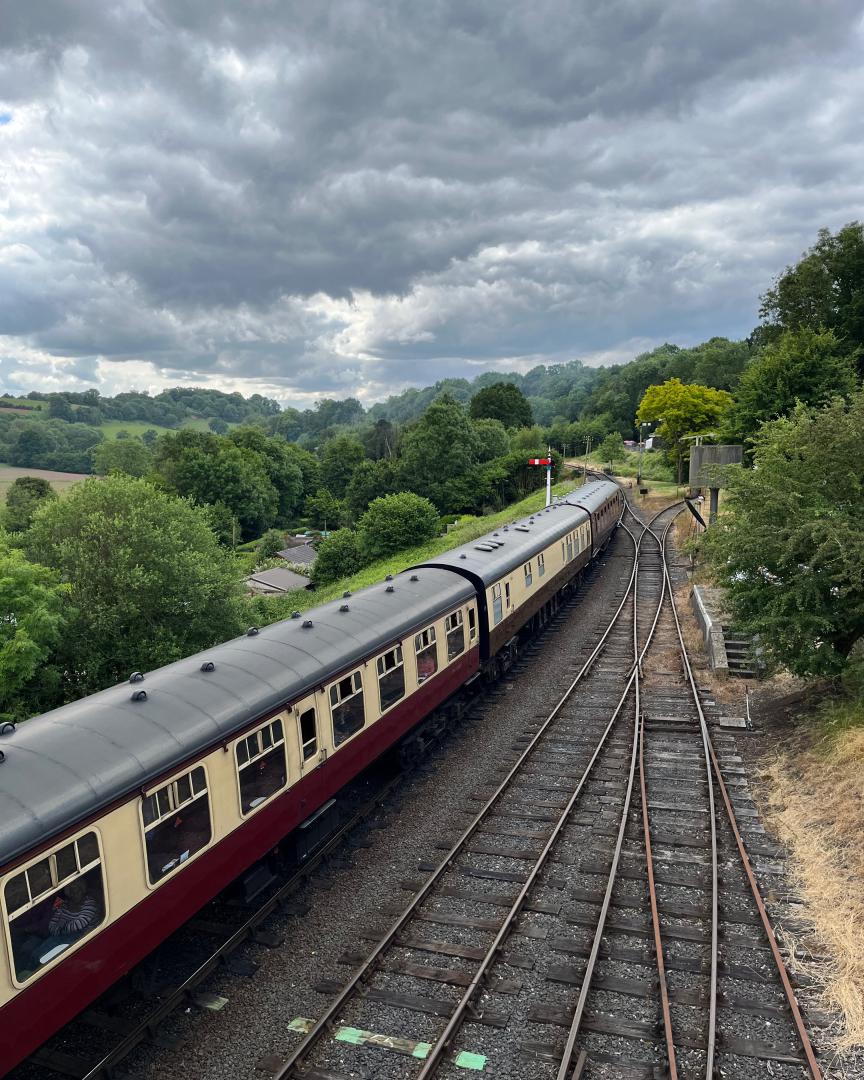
(350, 196)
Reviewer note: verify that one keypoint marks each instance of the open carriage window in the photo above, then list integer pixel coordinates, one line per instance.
(53, 904)
(176, 822)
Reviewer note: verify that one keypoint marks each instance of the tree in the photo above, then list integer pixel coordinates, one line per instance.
(128, 456)
(492, 439)
(440, 453)
(338, 556)
(149, 437)
(60, 409)
(341, 457)
(33, 605)
(218, 426)
(213, 469)
(395, 522)
(803, 365)
(683, 409)
(790, 550)
(371, 480)
(149, 582)
(502, 401)
(325, 510)
(612, 449)
(23, 499)
(824, 289)
(32, 445)
(270, 544)
(280, 464)
(381, 440)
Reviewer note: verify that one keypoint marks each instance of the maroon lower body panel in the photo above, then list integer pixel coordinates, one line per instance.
(39, 1010)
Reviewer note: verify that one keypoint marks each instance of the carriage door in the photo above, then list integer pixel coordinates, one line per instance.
(507, 595)
(307, 731)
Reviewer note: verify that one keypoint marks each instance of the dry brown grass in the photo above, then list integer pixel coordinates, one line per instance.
(815, 804)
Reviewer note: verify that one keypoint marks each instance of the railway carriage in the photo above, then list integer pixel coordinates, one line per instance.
(124, 812)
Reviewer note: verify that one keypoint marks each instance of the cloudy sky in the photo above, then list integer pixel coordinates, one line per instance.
(352, 196)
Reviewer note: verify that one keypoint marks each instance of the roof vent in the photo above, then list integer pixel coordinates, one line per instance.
(307, 624)
(463, 556)
(414, 578)
(389, 577)
(295, 614)
(345, 595)
(390, 588)
(8, 728)
(344, 607)
(208, 665)
(521, 528)
(2, 757)
(494, 534)
(506, 528)
(252, 631)
(139, 695)
(136, 676)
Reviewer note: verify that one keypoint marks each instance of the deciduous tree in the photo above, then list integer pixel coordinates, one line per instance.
(338, 556)
(24, 497)
(128, 456)
(790, 548)
(683, 409)
(395, 522)
(502, 401)
(149, 582)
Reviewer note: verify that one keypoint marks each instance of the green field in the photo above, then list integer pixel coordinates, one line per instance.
(9, 402)
(60, 481)
(137, 427)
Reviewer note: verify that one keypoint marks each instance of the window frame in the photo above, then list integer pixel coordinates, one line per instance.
(304, 757)
(147, 792)
(358, 690)
(528, 571)
(426, 639)
(541, 564)
(22, 869)
(454, 621)
(500, 601)
(238, 768)
(379, 675)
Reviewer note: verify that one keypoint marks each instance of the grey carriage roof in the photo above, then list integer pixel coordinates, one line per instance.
(524, 538)
(67, 764)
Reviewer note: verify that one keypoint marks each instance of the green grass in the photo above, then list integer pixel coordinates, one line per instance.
(468, 528)
(654, 467)
(9, 402)
(137, 427)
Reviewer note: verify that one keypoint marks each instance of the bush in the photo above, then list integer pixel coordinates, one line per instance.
(338, 556)
(398, 521)
(270, 544)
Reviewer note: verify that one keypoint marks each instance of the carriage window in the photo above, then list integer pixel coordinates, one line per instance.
(569, 546)
(346, 707)
(261, 765)
(53, 904)
(497, 610)
(177, 821)
(541, 565)
(529, 574)
(455, 635)
(308, 734)
(391, 678)
(472, 623)
(427, 653)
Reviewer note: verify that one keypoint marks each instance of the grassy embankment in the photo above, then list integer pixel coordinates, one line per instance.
(466, 529)
(815, 799)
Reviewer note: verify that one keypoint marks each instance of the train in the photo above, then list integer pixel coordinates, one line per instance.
(123, 813)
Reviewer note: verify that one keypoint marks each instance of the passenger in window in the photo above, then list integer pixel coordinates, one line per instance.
(74, 910)
(425, 665)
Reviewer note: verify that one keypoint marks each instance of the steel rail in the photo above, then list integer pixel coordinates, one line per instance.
(359, 976)
(789, 992)
(576, 1023)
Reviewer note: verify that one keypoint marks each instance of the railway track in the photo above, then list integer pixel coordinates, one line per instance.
(608, 821)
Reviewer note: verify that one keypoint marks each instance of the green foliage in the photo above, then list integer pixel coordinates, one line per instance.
(122, 455)
(270, 544)
(282, 465)
(612, 449)
(34, 606)
(439, 454)
(23, 499)
(683, 409)
(803, 365)
(341, 457)
(325, 511)
(790, 549)
(371, 480)
(49, 444)
(218, 426)
(149, 582)
(213, 469)
(339, 556)
(504, 402)
(397, 521)
(825, 289)
(492, 439)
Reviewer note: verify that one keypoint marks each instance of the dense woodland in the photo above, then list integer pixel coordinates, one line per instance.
(140, 568)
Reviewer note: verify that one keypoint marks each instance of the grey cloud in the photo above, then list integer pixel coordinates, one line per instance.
(462, 182)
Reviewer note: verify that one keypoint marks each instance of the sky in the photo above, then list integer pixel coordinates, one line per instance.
(346, 198)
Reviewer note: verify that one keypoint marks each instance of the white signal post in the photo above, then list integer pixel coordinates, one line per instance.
(547, 461)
